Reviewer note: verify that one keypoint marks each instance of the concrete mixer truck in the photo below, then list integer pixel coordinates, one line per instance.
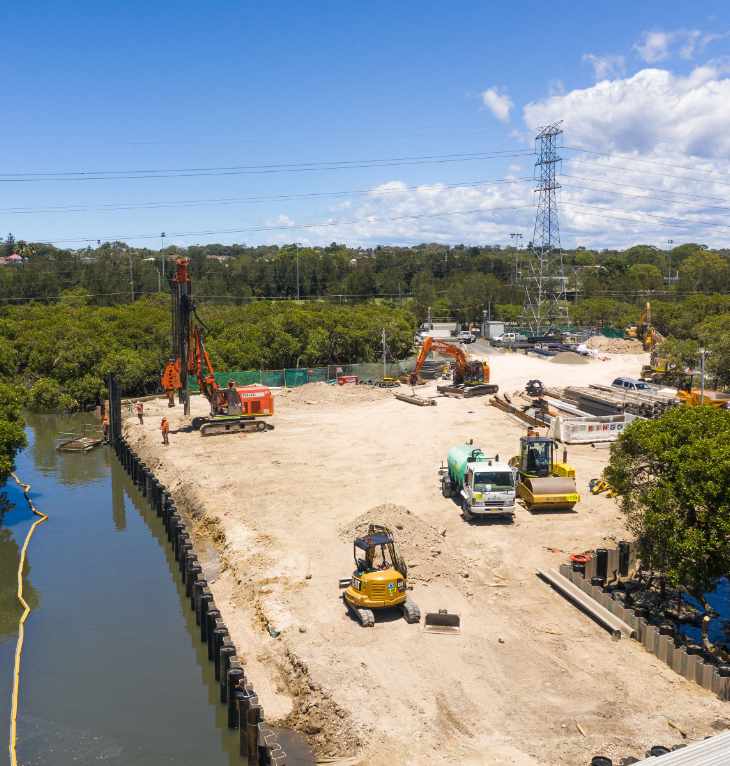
(483, 485)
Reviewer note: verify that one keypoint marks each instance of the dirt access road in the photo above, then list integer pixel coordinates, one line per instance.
(529, 681)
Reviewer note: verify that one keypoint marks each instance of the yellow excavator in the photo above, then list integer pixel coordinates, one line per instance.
(543, 483)
(644, 330)
(380, 579)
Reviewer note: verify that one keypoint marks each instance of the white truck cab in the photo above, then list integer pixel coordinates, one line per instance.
(489, 489)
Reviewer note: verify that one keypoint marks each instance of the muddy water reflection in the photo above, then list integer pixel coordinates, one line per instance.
(113, 669)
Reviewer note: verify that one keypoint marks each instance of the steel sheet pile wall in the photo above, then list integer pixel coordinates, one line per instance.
(258, 743)
(607, 566)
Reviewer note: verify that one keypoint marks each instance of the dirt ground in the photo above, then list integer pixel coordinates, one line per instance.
(530, 680)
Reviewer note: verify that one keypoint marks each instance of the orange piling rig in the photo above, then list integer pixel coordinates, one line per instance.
(232, 409)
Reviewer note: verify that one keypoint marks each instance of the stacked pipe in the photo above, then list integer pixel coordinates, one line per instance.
(606, 400)
(259, 745)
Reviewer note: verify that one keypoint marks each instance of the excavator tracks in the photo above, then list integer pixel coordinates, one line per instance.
(411, 612)
(212, 427)
(366, 617)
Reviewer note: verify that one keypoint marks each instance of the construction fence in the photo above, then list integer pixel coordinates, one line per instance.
(298, 376)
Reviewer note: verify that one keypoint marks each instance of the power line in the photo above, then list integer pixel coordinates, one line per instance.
(103, 207)
(116, 175)
(663, 219)
(604, 166)
(286, 227)
(648, 197)
(688, 195)
(633, 158)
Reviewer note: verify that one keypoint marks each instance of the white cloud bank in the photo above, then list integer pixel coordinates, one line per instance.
(674, 167)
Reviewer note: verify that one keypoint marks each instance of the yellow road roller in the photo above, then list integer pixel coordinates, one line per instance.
(543, 484)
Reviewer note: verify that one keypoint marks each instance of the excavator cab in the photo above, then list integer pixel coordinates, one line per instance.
(380, 578)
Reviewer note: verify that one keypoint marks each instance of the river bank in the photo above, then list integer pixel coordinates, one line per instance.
(530, 680)
(112, 668)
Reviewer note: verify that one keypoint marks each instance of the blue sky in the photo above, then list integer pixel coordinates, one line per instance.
(140, 86)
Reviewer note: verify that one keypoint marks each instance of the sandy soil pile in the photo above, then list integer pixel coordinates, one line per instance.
(329, 393)
(569, 357)
(426, 551)
(614, 345)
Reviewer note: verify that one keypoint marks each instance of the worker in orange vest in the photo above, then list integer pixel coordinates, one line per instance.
(165, 428)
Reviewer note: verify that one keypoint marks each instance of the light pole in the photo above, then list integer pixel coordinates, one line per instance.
(159, 279)
(670, 242)
(703, 354)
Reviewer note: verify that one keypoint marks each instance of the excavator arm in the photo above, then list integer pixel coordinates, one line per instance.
(456, 353)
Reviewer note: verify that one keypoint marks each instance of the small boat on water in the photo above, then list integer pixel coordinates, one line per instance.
(76, 443)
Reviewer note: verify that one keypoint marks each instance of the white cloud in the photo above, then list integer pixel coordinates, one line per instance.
(671, 135)
(606, 67)
(670, 180)
(654, 110)
(654, 46)
(658, 45)
(498, 102)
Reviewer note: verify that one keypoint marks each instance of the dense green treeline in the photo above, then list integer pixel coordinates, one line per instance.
(69, 317)
(62, 352)
(455, 281)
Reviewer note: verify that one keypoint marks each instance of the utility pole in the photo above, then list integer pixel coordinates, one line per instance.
(385, 355)
(544, 281)
(703, 354)
(162, 263)
(131, 275)
(296, 245)
(670, 242)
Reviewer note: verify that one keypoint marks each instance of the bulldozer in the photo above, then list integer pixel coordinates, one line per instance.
(380, 579)
(543, 483)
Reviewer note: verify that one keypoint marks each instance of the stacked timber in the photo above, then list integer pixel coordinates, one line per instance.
(606, 400)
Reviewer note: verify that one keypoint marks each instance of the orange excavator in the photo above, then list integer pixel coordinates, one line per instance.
(232, 409)
(470, 376)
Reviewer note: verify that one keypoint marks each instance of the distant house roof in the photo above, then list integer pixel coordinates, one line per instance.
(13, 258)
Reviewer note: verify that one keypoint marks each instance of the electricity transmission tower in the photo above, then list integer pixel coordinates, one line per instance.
(543, 276)
(516, 238)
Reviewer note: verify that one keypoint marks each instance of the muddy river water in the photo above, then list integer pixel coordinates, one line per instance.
(113, 669)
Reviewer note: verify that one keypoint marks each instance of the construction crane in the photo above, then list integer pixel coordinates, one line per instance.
(644, 330)
(232, 409)
(470, 376)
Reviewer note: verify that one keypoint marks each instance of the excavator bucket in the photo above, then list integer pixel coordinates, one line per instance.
(442, 622)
